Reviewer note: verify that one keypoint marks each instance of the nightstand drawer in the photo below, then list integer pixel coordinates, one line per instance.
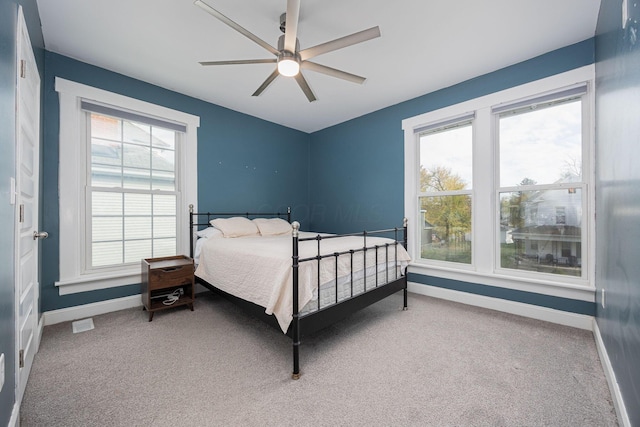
(160, 278)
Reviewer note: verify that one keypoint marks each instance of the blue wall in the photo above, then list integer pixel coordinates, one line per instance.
(8, 28)
(244, 163)
(618, 197)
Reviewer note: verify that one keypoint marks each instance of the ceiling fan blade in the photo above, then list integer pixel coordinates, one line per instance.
(266, 83)
(340, 43)
(235, 26)
(302, 82)
(308, 65)
(291, 26)
(241, 61)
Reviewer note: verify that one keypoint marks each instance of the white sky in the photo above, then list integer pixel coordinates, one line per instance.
(451, 149)
(538, 145)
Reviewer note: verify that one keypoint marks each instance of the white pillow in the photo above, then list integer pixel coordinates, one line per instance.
(236, 226)
(209, 232)
(272, 226)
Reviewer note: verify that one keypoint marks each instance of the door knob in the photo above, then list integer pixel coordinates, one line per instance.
(40, 235)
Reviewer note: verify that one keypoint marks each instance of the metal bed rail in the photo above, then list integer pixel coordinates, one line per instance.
(296, 239)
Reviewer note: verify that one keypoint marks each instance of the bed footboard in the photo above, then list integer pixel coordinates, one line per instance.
(308, 323)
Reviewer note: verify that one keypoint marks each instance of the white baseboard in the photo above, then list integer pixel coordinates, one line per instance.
(15, 416)
(614, 387)
(87, 310)
(581, 321)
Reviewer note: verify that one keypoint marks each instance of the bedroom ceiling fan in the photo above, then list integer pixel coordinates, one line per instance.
(288, 56)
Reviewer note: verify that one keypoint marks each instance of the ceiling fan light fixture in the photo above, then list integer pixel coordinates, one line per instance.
(288, 64)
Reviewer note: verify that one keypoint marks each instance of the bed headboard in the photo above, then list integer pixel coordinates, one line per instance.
(200, 219)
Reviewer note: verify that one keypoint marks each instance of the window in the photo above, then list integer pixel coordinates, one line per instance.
(497, 188)
(445, 196)
(133, 190)
(127, 175)
(540, 149)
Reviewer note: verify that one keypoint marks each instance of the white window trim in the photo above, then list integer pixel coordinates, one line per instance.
(483, 269)
(72, 180)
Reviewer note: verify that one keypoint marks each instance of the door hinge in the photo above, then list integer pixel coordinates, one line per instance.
(23, 68)
(21, 213)
(21, 359)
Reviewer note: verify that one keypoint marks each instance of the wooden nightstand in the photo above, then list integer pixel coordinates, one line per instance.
(164, 276)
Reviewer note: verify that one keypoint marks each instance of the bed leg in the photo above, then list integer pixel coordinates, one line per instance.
(296, 361)
(405, 291)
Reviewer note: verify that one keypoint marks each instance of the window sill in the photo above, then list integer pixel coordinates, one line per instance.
(93, 282)
(498, 279)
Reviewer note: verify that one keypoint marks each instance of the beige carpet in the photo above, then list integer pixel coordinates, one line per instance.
(437, 364)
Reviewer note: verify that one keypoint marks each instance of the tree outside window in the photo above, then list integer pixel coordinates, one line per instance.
(445, 193)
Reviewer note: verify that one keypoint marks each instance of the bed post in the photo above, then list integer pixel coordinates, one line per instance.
(296, 320)
(191, 231)
(405, 223)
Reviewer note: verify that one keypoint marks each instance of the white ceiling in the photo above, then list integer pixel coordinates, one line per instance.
(425, 45)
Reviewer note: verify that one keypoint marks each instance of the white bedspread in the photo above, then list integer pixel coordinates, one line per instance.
(258, 269)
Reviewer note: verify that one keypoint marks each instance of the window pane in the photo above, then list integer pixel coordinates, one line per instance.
(106, 176)
(136, 156)
(164, 247)
(106, 228)
(164, 204)
(163, 180)
(136, 132)
(164, 160)
(446, 228)
(139, 179)
(106, 127)
(107, 253)
(137, 228)
(542, 231)
(446, 159)
(106, 203)
(163, 138)
(541, 145)
(135, 250)
(137, 204)
(164, 226)
(105, 152)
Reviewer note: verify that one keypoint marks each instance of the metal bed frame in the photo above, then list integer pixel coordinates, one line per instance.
(325, 315)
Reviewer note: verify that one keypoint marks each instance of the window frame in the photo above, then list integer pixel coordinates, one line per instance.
(74, 277)
(485, 220)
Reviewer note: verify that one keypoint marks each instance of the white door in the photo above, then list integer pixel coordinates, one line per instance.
(27, 185)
